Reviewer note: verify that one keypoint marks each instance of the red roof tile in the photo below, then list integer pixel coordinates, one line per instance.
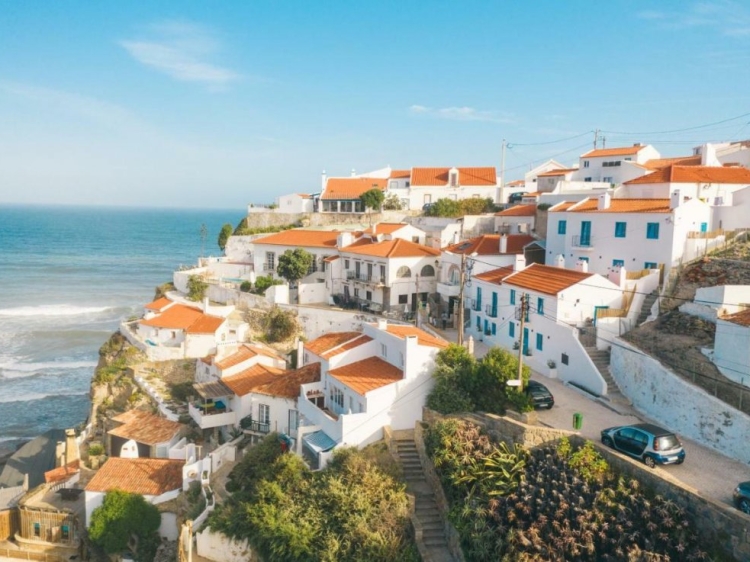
(558, 172)
(328, 342)
(159, 304)
(741, 318)
(205, 325)
(695, 174)
(245, 352)
(546, 279)
(148, 477)
(423, 338)
(177, 316)
(251, 379)
(287, 384)
(396, 248)
(62, 473)
(385, 228)
(466, 176)
(622, 151)
(400, 174)
(351, 188)
(303, 238)
(368, 374)
(489, 245)
(518, 211)
(145, 427)
(346, 346)
(516, 183)
(622, 206)
(496, 275)
(658, 163)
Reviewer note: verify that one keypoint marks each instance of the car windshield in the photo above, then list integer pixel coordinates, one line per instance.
(667, 442)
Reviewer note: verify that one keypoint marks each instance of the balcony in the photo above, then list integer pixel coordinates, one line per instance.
(248, 424)
(364, 278)
(449, 288)
(582, 242)
(207, 417)
(476, 305)
(490, 311)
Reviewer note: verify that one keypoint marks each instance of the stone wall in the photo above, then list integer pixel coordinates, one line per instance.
(263, 220)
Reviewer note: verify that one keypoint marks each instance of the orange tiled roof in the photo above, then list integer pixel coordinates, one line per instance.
(304, 238)
(495, 275)
(351, 188)
(546, 279)
(346, 346)
(62, 473)
(516, 183)
(385, 228)
(368, 374)
(287, 384)
(145, 427)
(330, 259)
(148, 477)
(695, 174)
(518, 211)
(251, 379)
(400, 174)
(423, 338)
(466, 176)
(622, 206)
(489, 245)
(178, 316)
(396, 248)
(205, 325)
(657, 163)
(558, 172)
(741, 318)
(622, 151)
(245, 352)
(305, 195)
(326, 342)
(159, 304)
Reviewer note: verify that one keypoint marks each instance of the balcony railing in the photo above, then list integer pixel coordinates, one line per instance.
(255, 426)
(476, 305)
(491, 311)
(582, 241)
(206, 418)
(364, 277)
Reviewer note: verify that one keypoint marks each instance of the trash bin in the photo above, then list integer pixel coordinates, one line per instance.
(577, 421)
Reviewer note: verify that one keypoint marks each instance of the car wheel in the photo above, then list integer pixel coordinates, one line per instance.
(607, 441)
(745, 505)
(550, 406)
(650, 462)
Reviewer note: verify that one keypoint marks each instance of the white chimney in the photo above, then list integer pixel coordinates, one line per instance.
(344, 239)
(354, 172)
(582, 266)
(708, 155)
(618, 276)
(520, 264)
(675, 199)
(300, 353)
(503, 244)
(323, 181)
(375, 228)
(604, 201)
(410, 347)
(560, 261)
(205, 305)
(382, 324)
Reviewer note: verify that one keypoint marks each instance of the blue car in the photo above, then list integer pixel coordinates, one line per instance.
(647, 442)
(741, 497)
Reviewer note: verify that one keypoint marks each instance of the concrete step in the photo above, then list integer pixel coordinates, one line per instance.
(435, 542)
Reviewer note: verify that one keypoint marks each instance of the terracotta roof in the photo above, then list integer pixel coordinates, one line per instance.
(177, 316)
(159, 304)
(546, 279)
(695, 174)
(205, 325)
(62, 473)
(287, 384)
(562, 206)
(396, 248)
(346, 346)
(495, 275)
(145, 427)
(304, 195)
(657, 163)
(423, 338)
(245, 352)
(489, 245)
(351, 188)
(368, 374)
(741, 318)
(558, 172)
(330, 259)
(326, 342)
(518, 211)
(622, 206)
(304, 238)
(516, 183)
(385, 228)
(466, 176)
(622, 151)
(148, 477)
(251, 379)
(400, 174)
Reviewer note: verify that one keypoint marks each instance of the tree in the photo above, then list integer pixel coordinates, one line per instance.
(294, 264)
(263, 282)
(392, 203)
(279, 324)
(477, 206)
(444, 208)
(197, 288)
(125, 520)
(372, 199)
(224, 234)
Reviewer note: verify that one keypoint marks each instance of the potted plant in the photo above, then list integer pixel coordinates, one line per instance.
(552, 369)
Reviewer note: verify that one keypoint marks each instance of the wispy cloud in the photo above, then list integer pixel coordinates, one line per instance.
(461, 114)
(728, 17)
(182, 51)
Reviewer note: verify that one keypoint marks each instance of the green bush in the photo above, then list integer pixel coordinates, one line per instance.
(246, 286)
(197, 288)
(263, 282)
(96, 449)
(181, 391)
(279, 325)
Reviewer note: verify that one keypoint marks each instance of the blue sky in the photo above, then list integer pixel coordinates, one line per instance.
(218, 104)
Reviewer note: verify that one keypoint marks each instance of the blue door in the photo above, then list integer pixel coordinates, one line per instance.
(704, 227)
(479, 299)
(494, 305)
(585, 233)
(525, 341)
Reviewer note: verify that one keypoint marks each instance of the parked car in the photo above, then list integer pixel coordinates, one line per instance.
(741, 497)
(540, 395)
(516, 197)
(426, 206)
(647, 442)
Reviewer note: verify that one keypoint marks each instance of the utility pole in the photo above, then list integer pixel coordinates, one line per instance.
(502, 166)
(419, 303)
(523, 311)
(596, 138)
(461, 284)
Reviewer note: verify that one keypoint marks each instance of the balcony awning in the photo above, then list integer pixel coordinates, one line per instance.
(213, 389)
(319, 441)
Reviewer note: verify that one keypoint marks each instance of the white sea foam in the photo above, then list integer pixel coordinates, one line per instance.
(32, 396)
(12, 370)
(52, 310)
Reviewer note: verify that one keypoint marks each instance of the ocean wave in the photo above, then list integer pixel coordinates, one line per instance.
(53, 310)
(34, 396)
(11, 370)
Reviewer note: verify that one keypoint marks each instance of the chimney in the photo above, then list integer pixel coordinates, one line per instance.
(582, 266)
(708, 155)
(604, 201)
(503, 244)
(59, 454)
(618, 276)
(344, 239)
(410, 347)
(205, 305)
(382, 324)
(71, 446)
(675, 199)
(354, 172)
(637, 144)
(300, 353)
(323, 181)
(560, 261)
(520, 264)
(375, 229)
(455, 237)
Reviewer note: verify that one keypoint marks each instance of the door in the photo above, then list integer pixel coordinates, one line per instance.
(494, 305)
(369, 272)
(525, 341)
(586, 233)
(704, 227)
(640, 440)
(479, 299)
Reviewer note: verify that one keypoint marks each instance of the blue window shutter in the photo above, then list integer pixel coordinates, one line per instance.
(540, 305)
(620, 229)
(618, 263)
(512, 296)
(479, 323)
(539, 342)
(512, 330)
(494, 328)
(561, 227)
(652, 231)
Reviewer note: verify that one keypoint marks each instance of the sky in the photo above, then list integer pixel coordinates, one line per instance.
(220, 104)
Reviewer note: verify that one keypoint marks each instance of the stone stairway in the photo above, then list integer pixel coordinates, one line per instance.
(601, 362)
(646, 308)
(427, 512)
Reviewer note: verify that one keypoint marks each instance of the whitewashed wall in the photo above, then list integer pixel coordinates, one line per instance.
(218, 547)
(308, 293)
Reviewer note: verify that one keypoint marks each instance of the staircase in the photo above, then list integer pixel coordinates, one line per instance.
(427, 512)
(646, 308)
(601, 362)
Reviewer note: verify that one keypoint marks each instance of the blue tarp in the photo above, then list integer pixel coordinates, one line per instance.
(319, 441)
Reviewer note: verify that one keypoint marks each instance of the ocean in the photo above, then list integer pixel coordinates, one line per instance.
(68, 275)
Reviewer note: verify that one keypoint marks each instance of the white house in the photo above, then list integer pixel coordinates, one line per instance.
(341, 195)
(137, 434)
(380, 377)
(632, 233)
(157, 480)
(320, 243)
(295, 203)
(559, 301)
(614, 165)
(519, 219)
(731, 354)
(547, 181)
(236, 359)
(427, 185)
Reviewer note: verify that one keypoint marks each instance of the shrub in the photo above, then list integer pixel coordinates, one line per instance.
(197, 288)
(181, 391)
(263, 282)
(279, 324)
(392, 203)
(96, 449)
(246, 286)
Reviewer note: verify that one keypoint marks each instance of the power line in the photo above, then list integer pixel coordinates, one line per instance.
(512, 144)
(678, 130)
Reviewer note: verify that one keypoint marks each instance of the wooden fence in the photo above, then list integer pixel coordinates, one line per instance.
(8, 524)
(29, 555)
(627, 300)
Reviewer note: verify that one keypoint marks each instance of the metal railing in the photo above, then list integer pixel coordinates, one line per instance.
(490, 311)
(364, 277)
(476, 306)
(582, 241)
(255, 426)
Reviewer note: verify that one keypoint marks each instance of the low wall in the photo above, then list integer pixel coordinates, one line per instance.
(215, 546)
(679, 405)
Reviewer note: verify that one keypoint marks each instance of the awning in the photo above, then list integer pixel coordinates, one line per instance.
(319, 441)
(213, 389)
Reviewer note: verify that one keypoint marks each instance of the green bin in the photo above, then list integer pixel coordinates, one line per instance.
(577, 421)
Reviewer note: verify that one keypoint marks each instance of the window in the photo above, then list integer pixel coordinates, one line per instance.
(607, 179)
(403, 271)
(64, 532)
(415, 239)
(512, 330)
(427, 199)
(584, 258)
(611, 164)
(382, 273)
(494, 328)
(587, 179)
(346, 264)
(628, 159)
(356, 292)
(539, 342)
(650, 265)
(337, 398)
(512, 296)
(383, 350)
(293, 420)
(620, 229)
(564, 359)
(270, 261)
(652, 231)
(585, 163)
(264, 413)
(562, 227)
(479, 323)
(704, 227)
(428, 271)
(618, 263)
(540, 305)
(403, 299)
(37, 530)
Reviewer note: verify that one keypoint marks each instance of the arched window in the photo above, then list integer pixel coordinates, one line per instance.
(454, 275)
(403, 271)
(428, 271)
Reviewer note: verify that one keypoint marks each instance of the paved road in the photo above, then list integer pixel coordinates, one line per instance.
(711, 474)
